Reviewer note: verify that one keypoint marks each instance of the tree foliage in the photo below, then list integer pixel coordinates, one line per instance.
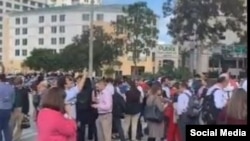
(76, 55)
(181, 73)
(205, 21)
(139, 26)
(43, 59)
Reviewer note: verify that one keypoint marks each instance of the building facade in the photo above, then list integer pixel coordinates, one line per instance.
(51, 28)
(55, 27)
(71, 2)
(7, 6)
(165, 54)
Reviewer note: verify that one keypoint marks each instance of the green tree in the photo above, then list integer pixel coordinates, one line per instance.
(76, 55)
(166, 70)
(43, 59)
(204, 21)
(139, 26)
(109, 72)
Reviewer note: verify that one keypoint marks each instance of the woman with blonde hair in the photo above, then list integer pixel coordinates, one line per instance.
(235, 113)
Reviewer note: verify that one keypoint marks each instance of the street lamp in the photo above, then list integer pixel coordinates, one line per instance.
(91, 39)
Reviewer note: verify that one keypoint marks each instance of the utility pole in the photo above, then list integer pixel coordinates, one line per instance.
(91, 39)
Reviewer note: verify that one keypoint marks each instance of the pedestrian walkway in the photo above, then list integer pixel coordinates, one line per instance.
(28, 133)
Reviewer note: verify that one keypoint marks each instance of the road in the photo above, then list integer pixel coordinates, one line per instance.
(29, 134)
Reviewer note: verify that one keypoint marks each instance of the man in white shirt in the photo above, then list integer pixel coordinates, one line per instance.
(182, 105)
(165, 82)
(220, 96)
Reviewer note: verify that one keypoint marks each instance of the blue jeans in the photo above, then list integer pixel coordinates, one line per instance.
(4, 125)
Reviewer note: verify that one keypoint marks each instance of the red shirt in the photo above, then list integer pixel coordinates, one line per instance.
(144, 86)
(53, 126)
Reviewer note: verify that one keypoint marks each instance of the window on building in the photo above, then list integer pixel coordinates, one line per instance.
(1, 42)
(8, 5)
(1, 18)
(17, 42)
(85, 28)
(99, 17)
(17, 52)
(119, 28)
(17, 31)
(40, 5)
(1, 50)
(41, 30)
(85, 17)
(25, 31)
(62, 29)
(40, 41)
(33, 3)
(25, 8)
(53, 29)
(153, 56)
(1, 57)
(1, 26)
(25, 20)
(62, 18)
(24, 52)
(17, 6)
(1, 3)
(18, 21)
(17, 0)
(1, 34)
(61, 41)
(1, 10)
(41, 19)
(75, 1)
(25, 42)
(86, 1)
(53, 41)
(53, 18)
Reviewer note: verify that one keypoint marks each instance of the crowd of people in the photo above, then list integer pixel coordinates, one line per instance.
(121, 108)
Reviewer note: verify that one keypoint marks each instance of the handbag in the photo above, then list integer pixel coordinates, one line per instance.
(152, 113)
(25, 122)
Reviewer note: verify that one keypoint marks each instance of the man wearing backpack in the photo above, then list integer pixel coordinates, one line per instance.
(214, 101)
(182, 107)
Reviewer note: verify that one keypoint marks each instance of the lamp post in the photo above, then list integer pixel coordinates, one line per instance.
(91, 39)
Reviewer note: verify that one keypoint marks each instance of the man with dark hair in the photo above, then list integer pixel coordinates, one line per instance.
(7, 98)
(197, 83)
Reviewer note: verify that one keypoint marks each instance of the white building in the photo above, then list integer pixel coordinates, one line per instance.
(71, 2)
(16, 5)
(165, 54)
(51, 28)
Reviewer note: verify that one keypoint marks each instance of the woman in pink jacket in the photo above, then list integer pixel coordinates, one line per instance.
(53, 122)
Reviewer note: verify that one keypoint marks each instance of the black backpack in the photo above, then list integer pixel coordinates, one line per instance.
(83, 100)
(209, 112)
(194, 106)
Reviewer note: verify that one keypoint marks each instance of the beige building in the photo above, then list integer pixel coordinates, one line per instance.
(54, 28)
